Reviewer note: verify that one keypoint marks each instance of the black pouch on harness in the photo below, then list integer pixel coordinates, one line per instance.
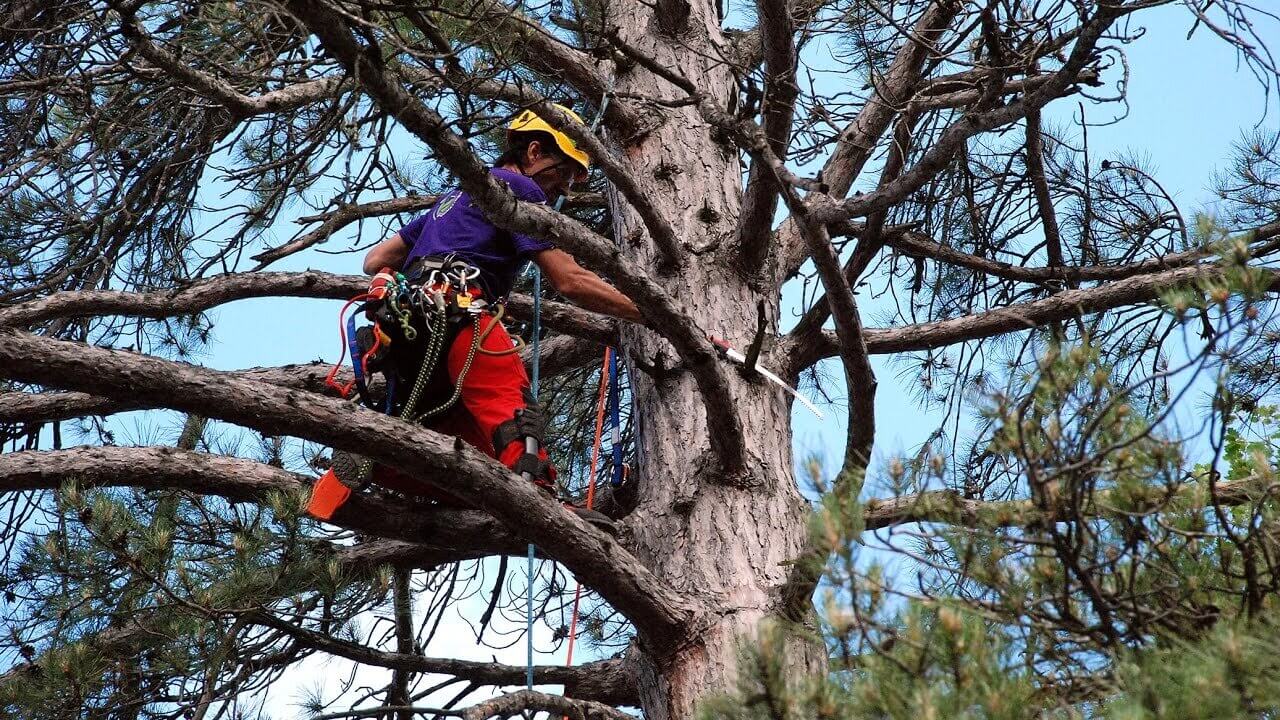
(415, 327)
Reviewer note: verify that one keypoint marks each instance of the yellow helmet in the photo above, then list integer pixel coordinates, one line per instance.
(528, 121)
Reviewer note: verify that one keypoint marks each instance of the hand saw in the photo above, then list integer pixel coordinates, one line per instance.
(726, 350)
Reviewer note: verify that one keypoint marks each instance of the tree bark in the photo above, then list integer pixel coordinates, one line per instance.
(722, 539)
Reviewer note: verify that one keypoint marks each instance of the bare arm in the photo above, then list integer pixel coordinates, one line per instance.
(388, 253)
(585, 287)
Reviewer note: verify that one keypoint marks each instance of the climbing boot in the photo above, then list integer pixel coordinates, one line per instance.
(346, 473)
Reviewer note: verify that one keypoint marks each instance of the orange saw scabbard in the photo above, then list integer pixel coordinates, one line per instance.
(327, 495)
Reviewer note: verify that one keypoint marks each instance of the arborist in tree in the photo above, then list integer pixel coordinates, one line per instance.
(438, 335)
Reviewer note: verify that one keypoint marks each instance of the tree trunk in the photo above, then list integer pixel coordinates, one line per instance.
(725, 541)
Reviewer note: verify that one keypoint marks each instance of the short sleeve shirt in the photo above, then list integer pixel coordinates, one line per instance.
(455, 225)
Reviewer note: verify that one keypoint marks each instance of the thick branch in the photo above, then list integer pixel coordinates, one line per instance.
(658, 612)
(748, 49)
(870, 236)
(860, 379)
(951, 508)
(1013, 318)
(926, 100)
(780, 90)
(1040, 187)
(559, 354)
(196, 297)
(518, 702)
(660, 229)
(455, 534)
(891, 92)
(552, 58)
(205, 294)
(914, 244)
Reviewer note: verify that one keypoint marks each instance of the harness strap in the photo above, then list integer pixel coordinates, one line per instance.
(528, 423)
(538, 469)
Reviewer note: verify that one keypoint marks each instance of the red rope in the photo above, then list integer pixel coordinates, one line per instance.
(591, 495)
(343, 390)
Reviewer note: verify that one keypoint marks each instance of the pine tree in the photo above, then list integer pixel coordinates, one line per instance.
(1074, 556)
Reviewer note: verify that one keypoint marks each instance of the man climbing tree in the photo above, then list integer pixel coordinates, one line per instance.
(834, 187)
(455, 244)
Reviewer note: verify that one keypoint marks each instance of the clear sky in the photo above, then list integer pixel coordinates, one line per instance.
(1189, 101)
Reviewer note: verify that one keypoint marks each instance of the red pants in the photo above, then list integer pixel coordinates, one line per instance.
(492, 391)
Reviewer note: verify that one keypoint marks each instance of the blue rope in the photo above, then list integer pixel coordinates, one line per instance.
(537, 337)
(353, 347)
(615, 430)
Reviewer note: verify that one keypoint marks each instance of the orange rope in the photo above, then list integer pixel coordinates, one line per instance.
(591, 495)
(377, 343)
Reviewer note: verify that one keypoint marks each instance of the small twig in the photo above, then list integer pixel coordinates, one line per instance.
(493, 598)
(753, 351)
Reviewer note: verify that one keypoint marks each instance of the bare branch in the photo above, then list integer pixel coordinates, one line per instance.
(605, 681)
(343, 216)
(780, 90)
(559, 354)
(926, 100)
(141, 630)
(854, 145)
(205, 294)
(1040, 186)
(555, 60)
(1012, 318)
(220, 91)
(670, 250)
(952, 508)
(454, 534)
(518, 702)
(950, 141)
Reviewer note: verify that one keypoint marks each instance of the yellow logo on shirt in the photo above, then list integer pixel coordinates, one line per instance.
(446, 204)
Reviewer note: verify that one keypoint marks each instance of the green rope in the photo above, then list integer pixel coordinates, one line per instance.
(462, 375)
(437, 324)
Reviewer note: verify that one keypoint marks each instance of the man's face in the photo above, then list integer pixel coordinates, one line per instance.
(553, 173)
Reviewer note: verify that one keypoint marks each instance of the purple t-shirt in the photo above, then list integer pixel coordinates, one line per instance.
(455, 225)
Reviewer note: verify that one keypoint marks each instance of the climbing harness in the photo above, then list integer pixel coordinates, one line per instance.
(414, 314)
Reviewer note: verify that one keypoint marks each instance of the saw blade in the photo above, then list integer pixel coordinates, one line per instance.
(741, 359)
